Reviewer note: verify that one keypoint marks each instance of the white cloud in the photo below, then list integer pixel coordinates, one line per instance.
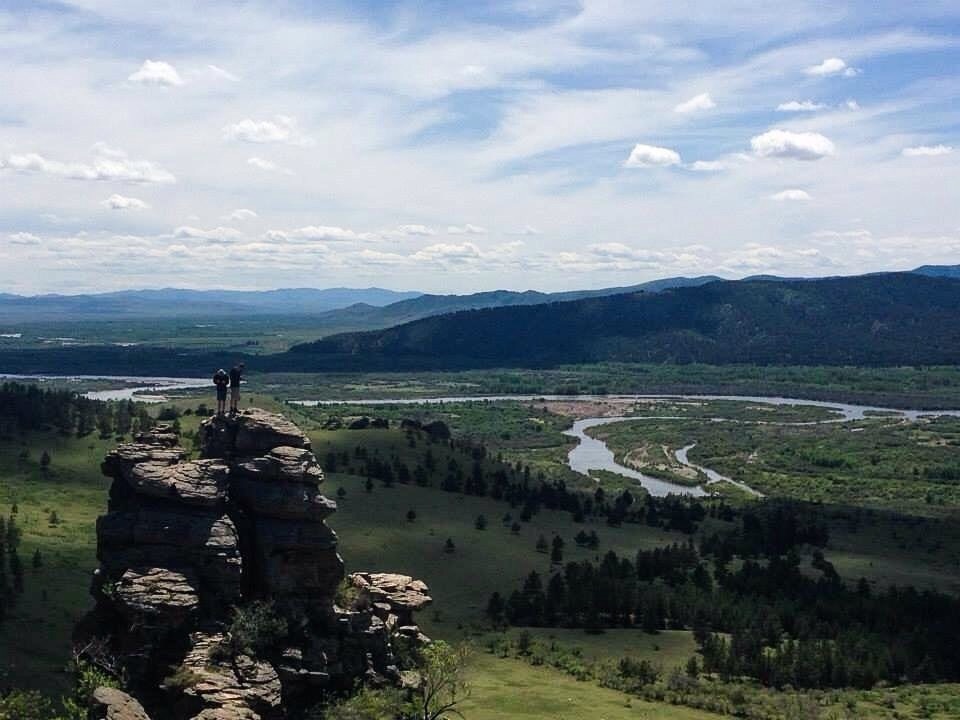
(107, 164)
(831, 66)
(217, 234)
(267, 165)
(122, 202)
(645, 156)
(240, 214)
(526, 230)
(862, 234)
(327, 233)
(703, 101)
(281, 129)
(794, 145)
(800, 106)
(927, 151)
(467, 229)
(793, 194)
(706, 166)
(415, 230)
(156, 72)
(852, 105)
(23, 238)
(449, 253)
(219, 72)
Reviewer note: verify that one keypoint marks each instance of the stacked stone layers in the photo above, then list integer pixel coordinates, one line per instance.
(186, 540)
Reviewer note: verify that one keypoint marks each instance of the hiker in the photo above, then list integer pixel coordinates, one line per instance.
(221, 380)
(236, 374)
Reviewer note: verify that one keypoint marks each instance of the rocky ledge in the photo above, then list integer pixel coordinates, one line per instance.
(186, 541)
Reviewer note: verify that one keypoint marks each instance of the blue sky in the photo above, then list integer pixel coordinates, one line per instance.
(454, 147)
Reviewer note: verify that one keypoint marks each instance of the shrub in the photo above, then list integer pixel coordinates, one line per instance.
(256, 629)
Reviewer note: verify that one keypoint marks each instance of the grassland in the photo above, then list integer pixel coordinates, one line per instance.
(375, 534)
(35, 641)
(928, 387)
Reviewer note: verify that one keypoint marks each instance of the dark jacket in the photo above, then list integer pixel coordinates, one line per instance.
(235, 374)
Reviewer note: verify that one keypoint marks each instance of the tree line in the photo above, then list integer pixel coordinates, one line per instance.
(26, 408)
(471, 470)
(754, 609)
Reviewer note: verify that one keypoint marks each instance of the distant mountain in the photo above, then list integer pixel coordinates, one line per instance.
(897, 318)
(950, 271)
(173, 302)
(363, 316)
(334, 309)
(892, 319)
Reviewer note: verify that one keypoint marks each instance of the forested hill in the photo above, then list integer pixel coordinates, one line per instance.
(892, 319)
(366, 317)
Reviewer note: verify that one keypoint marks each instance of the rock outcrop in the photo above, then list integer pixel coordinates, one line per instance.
(186, 541)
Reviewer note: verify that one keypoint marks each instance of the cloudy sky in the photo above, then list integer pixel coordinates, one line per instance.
(454, 147)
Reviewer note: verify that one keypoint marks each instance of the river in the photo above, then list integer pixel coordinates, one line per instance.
(589, 454)
(592, 454)
(141, 389)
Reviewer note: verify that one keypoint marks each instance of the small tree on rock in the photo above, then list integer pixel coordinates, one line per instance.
(449, 547)
(411, 515)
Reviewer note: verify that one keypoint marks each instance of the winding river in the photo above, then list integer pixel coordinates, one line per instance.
(589, 454)
(592, 454)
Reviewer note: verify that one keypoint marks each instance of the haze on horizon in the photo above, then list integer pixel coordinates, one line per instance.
(506, 144)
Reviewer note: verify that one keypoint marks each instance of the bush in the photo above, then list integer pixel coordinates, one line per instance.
(25, 705)
(256, 629)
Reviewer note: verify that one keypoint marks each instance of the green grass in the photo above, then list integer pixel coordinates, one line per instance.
(506, 689)
(899, 387)
(375, 535)
(35, 640)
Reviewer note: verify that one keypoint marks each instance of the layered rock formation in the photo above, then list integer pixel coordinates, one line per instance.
(186, 541)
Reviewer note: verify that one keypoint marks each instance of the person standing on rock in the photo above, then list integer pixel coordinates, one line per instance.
(221, 380)
(236, 375)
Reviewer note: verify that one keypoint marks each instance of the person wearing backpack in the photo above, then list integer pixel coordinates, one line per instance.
(221, 379)
(236, 375)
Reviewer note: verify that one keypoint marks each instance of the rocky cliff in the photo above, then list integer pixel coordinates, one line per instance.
(187, 541)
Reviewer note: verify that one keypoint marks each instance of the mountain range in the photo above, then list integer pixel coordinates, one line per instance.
(878, 319)
(896, 318)
(175, 302)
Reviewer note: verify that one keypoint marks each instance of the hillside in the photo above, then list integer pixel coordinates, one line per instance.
(876, 320)
(893, 319)
(367, 316)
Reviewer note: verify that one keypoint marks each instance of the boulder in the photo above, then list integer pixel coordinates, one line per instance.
(201, 482)
(391, 594)
(249, 433)
(156, 595)
(108, 703)
(123, 458)
(241, 685)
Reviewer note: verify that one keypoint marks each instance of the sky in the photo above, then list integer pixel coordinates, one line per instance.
(456, 147)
